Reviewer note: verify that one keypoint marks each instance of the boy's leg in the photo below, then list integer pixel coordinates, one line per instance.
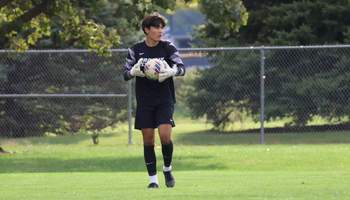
(167, 144)
(165, 122)
(145, 121)
(167, 150)
(150, 155)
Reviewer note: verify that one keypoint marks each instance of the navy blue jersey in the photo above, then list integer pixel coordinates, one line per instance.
(153, 92)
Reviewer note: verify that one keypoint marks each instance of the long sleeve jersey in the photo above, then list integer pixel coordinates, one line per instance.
(153, 92)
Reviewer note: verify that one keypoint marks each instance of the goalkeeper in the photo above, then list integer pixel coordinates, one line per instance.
(155, 99)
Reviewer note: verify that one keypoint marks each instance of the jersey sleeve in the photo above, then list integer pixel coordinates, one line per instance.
(130, 62)
(176, 60)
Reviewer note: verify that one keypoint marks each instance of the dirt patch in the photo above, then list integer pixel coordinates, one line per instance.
(9, 143)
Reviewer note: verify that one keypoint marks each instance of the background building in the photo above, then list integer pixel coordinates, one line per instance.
(179, 29)
(180, 25)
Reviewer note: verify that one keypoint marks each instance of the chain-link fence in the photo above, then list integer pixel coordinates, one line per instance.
(62, 92)
(256, 91)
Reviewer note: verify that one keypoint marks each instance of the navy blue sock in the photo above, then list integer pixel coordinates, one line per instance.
(150, 159)
(167, 151)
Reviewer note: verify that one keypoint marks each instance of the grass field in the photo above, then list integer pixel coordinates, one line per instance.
(206, 166)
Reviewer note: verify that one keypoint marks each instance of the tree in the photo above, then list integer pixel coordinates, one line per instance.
(62, 24)
(76, 22)
(318, 77)
(298, 84)
(293, 22)
(37, 17)
(223, 19)
(80, 22)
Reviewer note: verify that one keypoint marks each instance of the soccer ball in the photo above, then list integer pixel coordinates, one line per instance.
(152, 68)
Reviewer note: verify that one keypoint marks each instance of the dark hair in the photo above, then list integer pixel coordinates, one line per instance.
(154, 19)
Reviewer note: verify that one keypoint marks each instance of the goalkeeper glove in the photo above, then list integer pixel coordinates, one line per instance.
(136, 69)
(166, 72)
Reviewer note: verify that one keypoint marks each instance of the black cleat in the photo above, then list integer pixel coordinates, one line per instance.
(169, 179)
(153, 185)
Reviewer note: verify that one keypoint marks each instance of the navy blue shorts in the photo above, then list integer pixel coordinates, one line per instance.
(153, 116)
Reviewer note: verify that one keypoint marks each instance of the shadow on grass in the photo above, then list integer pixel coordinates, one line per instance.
(207, 138)
(216, 138)
(65, 139)
(131, 164)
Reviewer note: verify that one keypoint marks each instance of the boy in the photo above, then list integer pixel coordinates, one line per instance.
(155, 99)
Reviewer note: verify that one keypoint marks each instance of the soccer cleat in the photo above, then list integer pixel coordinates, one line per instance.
(153, 185)
(169, 179)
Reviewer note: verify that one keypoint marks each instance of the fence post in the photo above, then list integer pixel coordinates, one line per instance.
(130, 110)
(262, 95)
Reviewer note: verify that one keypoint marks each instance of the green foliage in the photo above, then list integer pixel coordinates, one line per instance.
(38, 17)
(293, 22)
(308, 23)
(218, 98)
(60, 24)
(72, 22)
(60, 73)
(299, 83)
(223, 19)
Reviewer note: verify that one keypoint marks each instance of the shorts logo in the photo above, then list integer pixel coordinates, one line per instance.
(172, 122)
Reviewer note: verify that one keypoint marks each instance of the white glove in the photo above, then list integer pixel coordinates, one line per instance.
(136, 69)
(166, 72)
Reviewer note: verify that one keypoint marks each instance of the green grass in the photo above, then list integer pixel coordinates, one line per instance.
(190, 185)
(242, 121)
(206, 166)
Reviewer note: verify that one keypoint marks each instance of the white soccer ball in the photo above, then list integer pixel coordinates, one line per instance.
(152, 68)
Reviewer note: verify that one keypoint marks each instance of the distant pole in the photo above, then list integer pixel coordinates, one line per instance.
(130, 112)
(262, 93)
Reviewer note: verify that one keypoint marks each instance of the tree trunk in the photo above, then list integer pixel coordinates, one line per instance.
(3, 151)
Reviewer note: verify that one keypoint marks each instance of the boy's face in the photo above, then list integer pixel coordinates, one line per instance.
(155, 33)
